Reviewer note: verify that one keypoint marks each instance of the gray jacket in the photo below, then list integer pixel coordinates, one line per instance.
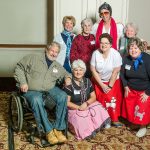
(33, 70)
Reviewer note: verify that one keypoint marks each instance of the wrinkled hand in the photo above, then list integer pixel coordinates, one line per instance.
(24, 88)
(126, 91)
(83, 106)
(105, 88)
(144, 97)
(67, 81)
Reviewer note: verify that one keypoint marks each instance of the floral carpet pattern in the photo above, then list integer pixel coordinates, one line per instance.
(107, 139)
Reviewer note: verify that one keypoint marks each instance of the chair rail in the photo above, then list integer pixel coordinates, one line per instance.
(22, 45)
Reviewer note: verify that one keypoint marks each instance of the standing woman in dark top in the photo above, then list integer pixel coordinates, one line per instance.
(135, 75)
(65, 40)
(83, 45)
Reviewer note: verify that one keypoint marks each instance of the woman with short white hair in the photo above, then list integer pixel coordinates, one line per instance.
(130, 31)
(83, 45)
(85, 114)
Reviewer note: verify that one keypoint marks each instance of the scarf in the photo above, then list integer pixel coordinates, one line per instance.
(113, 33)
(68, 47)
(138, 61)
(68, 43)
(124, 53)
(83, 87)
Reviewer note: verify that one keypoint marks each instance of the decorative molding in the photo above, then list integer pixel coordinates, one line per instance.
(22, 46)
(88, 8)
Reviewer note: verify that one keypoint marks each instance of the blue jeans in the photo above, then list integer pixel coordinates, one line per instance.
(37, 104)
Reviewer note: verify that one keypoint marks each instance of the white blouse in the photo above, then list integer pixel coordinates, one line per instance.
(105, 66)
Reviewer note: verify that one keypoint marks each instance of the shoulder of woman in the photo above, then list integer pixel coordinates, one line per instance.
(146, 57)
(114, 51)
(58, 37)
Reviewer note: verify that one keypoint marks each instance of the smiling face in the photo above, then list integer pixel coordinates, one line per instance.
(78, 73)
(68, 25)
(105, 45)
(87, 27)
(52, 52)
(105, 15)
(134, 51)
(130, 32)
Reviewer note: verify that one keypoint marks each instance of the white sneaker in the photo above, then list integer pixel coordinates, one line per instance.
(141, 132)
(107, 126)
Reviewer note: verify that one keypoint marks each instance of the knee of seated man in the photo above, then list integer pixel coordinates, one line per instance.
(36, 100)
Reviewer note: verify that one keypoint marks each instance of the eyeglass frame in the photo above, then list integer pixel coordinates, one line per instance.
(107, 43)
(104, 13)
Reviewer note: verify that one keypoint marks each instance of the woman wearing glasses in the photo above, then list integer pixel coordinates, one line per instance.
(105, 66)
(107, 25)
(135, 75)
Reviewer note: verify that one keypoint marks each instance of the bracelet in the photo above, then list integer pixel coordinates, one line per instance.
(110, 86)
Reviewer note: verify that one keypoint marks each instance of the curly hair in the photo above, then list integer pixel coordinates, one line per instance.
(107, 36)
(137, 41)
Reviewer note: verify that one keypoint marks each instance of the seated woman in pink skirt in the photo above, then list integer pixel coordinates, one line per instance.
(86, 116)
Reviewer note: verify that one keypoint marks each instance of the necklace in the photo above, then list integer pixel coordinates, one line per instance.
(78, 82)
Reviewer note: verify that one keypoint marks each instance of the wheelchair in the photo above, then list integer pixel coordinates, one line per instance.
(21, 115)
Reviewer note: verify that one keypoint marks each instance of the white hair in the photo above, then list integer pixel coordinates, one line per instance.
(78, 64)
(132, 25)
(86, 20)
(54, 43)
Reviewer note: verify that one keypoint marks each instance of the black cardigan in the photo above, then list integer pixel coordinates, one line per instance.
(140, 79)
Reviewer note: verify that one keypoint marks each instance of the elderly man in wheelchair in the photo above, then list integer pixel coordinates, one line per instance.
(36, 74)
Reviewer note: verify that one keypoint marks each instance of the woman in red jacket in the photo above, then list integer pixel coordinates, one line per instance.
(83, 45)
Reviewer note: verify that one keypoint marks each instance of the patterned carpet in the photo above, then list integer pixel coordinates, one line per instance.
(108, 139)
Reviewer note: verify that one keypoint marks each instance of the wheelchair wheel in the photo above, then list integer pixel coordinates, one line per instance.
(16, 112)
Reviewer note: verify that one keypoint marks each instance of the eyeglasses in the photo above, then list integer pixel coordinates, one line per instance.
(104, 43)
(104, 13)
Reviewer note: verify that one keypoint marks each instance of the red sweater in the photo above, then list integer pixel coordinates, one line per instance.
(82, 48)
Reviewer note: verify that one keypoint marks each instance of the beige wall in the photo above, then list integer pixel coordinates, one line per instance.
(37, 21)
(86, 8)
(10, 57)
(23, 21)
(139, 14)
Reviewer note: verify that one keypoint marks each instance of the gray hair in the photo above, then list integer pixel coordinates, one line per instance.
(105, 6)
(137, 41)
(86, 20)
(54, 43)
(78, 64)
(132, 25)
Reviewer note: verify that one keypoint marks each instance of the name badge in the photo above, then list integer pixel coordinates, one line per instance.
(128, 67)
(92, 42)
(76, 92)
(55, 70)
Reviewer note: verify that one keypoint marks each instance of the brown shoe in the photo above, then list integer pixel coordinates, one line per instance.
(61, 138)
(51, 138)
